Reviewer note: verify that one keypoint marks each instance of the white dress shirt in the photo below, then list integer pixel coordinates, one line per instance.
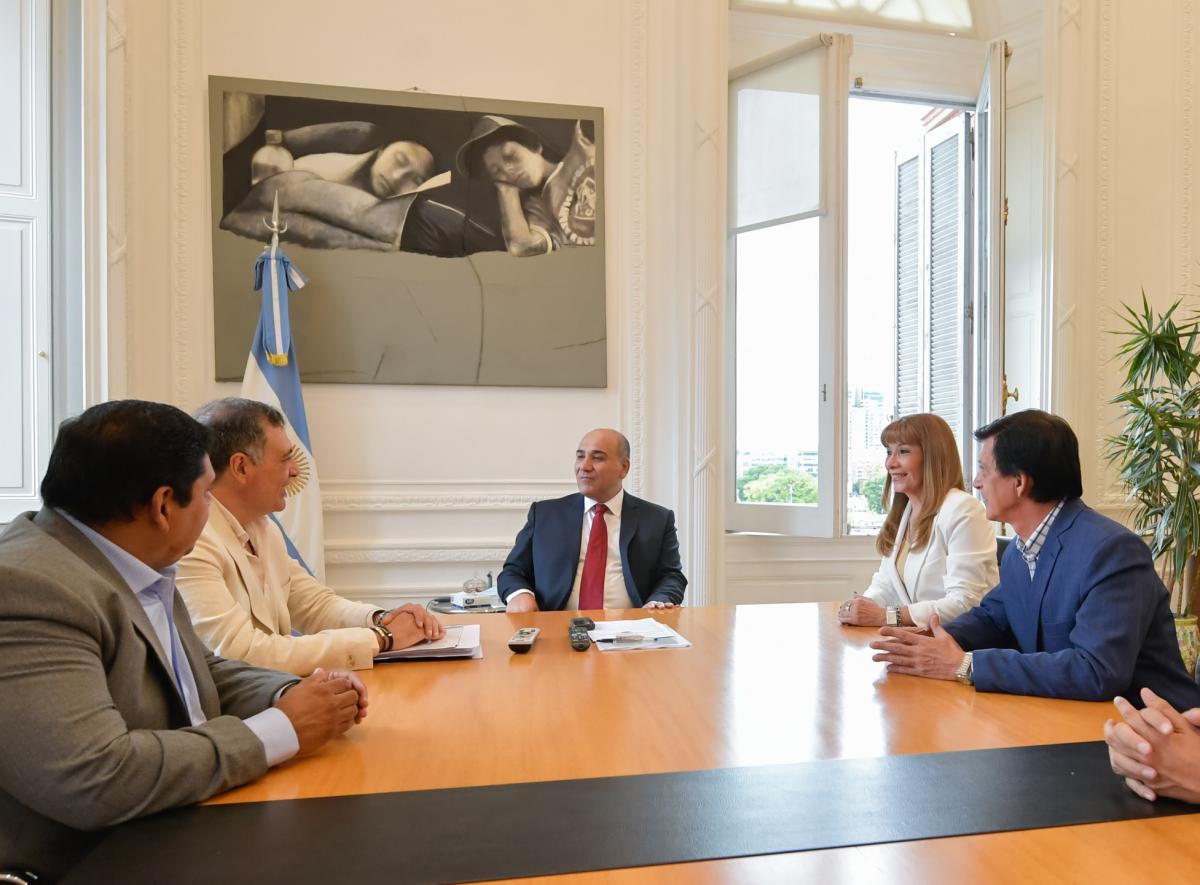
(616, 595)
(155, 591)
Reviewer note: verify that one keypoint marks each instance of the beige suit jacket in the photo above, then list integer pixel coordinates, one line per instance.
(241, 615)
(94, 731)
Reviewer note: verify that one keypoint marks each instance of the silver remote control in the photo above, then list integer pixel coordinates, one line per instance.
(523, 639)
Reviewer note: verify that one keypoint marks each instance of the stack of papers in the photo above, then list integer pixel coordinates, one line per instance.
(631, 635)
(459, 642)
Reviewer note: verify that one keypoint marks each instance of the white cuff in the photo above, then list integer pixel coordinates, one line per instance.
(278, 737)
(517, 593)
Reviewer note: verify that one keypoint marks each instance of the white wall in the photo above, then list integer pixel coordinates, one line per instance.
(1125, 208)
(426, 486)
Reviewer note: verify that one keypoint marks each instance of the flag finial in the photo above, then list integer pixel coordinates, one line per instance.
(275, 221)
(273, 225)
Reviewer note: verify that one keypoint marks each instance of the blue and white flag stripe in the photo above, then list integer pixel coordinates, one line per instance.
(273, 377)
(275, 276)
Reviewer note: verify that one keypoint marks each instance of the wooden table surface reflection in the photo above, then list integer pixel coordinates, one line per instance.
(762, 685)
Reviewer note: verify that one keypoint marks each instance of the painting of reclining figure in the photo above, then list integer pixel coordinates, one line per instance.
(447, 240)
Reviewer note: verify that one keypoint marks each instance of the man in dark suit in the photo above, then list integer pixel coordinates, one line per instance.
(601, 548)
(1079, 612)
(111, 706)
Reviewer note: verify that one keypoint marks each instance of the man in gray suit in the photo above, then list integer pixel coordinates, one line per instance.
(111, 706)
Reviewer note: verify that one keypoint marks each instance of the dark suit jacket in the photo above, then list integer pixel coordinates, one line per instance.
(545, 556)
(1094, 623)
(94, 731)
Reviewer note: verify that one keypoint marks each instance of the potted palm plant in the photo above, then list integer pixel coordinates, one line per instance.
(1157, 451)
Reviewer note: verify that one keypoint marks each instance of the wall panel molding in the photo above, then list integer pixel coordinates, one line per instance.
(1185, 253)
(634, 261)
(1106, 124)
(375, 551)
(188, 153)
(116, 319)
(395, 595)
(705, 205)
(343, 495)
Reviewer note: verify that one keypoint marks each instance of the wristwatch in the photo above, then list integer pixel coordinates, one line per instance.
(892, 616)
(377, 617)
(386, 640)
(965, 673)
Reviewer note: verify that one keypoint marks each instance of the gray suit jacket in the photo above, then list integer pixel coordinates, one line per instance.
(94, 731)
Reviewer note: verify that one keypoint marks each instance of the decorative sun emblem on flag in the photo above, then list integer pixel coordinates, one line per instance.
(300, 480)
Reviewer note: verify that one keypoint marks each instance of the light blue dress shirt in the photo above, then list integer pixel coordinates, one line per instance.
(155, 591)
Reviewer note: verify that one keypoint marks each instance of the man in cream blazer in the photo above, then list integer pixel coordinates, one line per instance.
(245, 593)
(951, 574)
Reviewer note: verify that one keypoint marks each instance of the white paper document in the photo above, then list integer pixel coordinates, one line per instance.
(633, 635)
(459, 642)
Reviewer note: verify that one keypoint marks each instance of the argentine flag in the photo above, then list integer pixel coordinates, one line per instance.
(273, 377)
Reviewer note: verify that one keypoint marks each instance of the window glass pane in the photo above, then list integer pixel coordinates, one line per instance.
(778, 384)
(778, 140)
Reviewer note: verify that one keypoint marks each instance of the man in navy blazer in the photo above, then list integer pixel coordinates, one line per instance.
(641, 564)
(1080, 611)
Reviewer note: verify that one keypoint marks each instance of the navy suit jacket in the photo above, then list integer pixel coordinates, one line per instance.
(545, 556)
(1095, 621)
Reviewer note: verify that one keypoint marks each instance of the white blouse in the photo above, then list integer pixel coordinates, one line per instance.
(951, 573)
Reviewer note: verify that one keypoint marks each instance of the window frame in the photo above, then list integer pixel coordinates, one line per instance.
(817, 520)
(951, 85)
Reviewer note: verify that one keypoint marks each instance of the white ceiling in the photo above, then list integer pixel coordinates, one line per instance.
(981, 19)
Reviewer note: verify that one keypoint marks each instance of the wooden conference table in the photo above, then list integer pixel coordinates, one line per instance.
(762, 685)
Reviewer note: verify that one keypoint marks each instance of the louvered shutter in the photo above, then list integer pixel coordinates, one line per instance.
(945, 333)
(908, 287)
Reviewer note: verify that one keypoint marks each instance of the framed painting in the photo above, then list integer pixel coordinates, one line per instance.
(446, 240)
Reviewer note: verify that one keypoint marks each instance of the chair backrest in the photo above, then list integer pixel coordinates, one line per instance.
(1001, 545)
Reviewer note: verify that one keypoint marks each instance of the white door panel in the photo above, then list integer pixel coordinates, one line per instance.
(24, 251)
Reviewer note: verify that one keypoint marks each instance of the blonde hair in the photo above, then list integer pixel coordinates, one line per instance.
(941, 471)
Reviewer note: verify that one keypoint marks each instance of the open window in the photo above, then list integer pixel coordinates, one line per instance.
(787, 124)
(860, 289)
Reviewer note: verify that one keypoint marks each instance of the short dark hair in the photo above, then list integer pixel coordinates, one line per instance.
(237, 425)
(108, 462)
(1041, 445)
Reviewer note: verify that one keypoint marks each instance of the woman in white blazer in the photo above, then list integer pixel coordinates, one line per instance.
(938, 548)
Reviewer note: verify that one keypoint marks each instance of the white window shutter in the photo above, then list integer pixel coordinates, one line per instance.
(908, 287)
(945, 328)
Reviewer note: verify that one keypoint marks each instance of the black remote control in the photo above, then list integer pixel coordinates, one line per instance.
(585, 623)
(580, 641)
(523, 639)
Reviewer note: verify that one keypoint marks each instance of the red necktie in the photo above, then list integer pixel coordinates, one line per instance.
(591, 584)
